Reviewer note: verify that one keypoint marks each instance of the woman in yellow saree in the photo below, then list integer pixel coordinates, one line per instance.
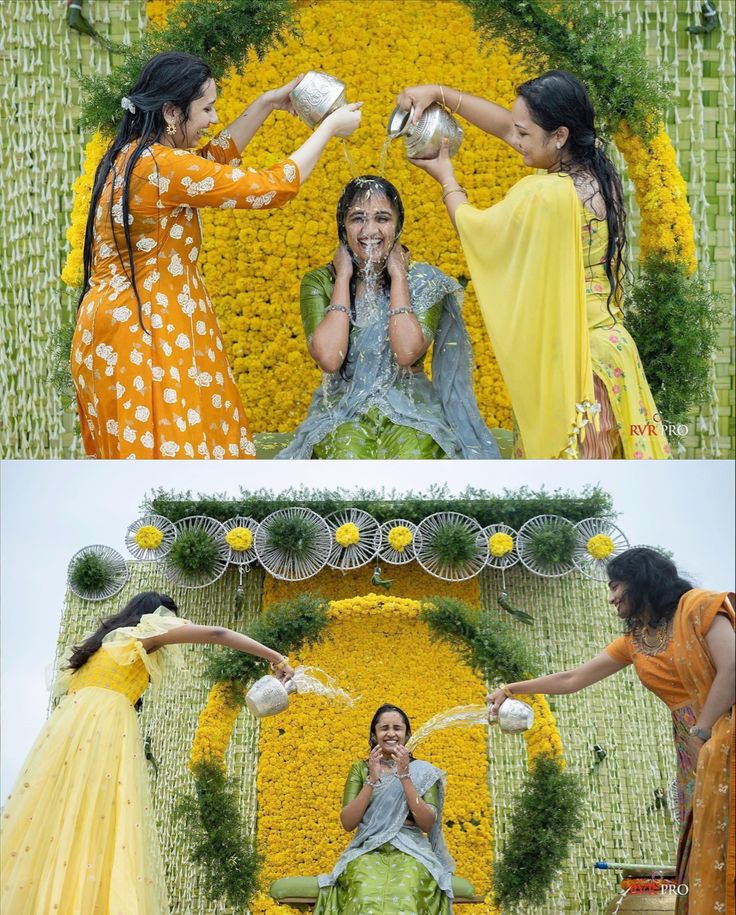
(546, 263)
(681, 642)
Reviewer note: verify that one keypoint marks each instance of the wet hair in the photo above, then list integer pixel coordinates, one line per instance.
(354, 191)
(171, 77)
(130, 615)
(557, 99)
(382, 710)
(653, 586)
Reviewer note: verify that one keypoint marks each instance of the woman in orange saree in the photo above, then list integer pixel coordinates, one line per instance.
(150, 369)
(681, 642)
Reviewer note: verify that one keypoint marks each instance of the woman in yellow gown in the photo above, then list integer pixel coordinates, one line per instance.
(547, 263)
(78, 833)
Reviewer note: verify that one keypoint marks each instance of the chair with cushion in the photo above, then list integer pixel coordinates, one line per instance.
(302, 891)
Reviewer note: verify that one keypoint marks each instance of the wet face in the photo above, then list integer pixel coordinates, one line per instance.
(202, 116)
(390, 732)
(370, 224)
(537, 147)
(618, 598)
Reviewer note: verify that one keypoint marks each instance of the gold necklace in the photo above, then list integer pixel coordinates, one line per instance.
(653, 639)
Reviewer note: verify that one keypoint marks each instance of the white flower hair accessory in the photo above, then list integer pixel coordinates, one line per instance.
(126, 103)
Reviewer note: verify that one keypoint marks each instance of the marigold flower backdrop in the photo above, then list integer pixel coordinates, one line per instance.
(290, 770)
(253, 262)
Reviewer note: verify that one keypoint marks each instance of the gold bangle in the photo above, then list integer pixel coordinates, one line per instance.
(442, 93)
(505, 690)
(454, 190)
(459, 102)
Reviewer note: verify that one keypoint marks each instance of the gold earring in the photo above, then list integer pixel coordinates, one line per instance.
(170, 129)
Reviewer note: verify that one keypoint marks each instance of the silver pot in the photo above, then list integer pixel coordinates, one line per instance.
(423, 139)
(513, 717)
(269, 696)
(317, 95)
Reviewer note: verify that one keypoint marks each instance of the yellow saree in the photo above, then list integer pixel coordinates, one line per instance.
(705, 857)
(532, 296)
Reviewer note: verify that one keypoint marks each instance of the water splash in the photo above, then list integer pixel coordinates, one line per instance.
(461, 716)
(317, 681)
(352, 168)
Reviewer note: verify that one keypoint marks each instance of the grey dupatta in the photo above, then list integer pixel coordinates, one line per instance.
(384, 820)
(444, 408)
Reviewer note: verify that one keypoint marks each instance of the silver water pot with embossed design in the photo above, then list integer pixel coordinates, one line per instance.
(423, 139)
(317, 95)
(269, 696)
(513, 717)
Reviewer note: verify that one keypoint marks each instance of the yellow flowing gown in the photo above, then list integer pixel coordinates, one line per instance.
(78, 834)
(537, 261)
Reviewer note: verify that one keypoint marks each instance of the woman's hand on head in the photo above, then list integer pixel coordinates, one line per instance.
(495, 701)
(280, 99)
(398, 260)
(343, 262)
(441, 168)
(345, 120)
(419, 98)
(374, 764)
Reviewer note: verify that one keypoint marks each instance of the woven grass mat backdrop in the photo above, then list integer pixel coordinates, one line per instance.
(41, 58)
(622, 819)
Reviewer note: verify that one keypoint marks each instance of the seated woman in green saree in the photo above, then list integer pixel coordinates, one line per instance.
(370, 316)
(397, 863)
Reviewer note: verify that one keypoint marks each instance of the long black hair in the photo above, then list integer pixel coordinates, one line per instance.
(170, 77)
(557, 99)
(653, 586)
(355, 190)
(374, 721)
(130, 615)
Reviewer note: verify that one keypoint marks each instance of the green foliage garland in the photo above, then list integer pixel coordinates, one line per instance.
(221, 32)
(552, 543)
(674, 318)
(91, 574)
(547, 813)
(294, 535)
(588, 42)
(194, 552)
(454, 544)
(513, 507)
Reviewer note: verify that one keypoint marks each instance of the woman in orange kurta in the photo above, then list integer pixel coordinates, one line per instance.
(150, 370)
(681, 643)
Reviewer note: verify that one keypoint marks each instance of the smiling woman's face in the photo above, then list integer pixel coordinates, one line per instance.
(371, 228)
(202, 116)
(390, 731)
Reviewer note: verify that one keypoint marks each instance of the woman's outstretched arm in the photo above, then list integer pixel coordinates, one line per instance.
(190, 633)
(566, 681)
(489, 116)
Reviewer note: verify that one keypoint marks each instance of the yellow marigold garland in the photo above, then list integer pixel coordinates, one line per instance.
(347, 535)
(399, 538)
(240, 539)
(73, 272)
(149, 537)
(215, 726)
(600, 546)
(661, 192)
(500, 544)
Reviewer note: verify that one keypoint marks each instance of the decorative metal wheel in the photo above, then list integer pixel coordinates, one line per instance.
(508, 559)
(390, 554)
(117, 570)
(431, 555)
(300, 561)
(525, 542)
(211, 528)
(354, 555)
(602, 537)
(165, 529)
(242, 557)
